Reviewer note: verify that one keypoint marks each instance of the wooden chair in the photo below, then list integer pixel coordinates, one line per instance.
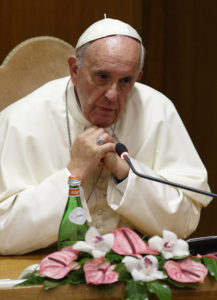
(31, 64)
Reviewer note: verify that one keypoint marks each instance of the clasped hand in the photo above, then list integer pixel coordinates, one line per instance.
(86, 155)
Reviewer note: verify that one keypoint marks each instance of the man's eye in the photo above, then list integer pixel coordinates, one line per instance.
(102, 76)
(126, 80)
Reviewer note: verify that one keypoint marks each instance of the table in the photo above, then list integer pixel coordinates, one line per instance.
(12, 266)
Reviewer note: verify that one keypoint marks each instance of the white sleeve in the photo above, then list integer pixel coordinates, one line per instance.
(30, 219)
(151, 206)
(122, 185)
(165, 151)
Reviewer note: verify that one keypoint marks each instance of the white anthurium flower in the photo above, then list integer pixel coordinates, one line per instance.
(144, 269)
(170, 246)
(94, 243)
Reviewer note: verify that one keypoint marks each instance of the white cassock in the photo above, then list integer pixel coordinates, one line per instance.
(34, 153)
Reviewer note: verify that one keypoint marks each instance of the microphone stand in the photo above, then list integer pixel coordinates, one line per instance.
(126, 157)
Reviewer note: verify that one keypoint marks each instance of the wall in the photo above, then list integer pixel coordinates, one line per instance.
(181, 61)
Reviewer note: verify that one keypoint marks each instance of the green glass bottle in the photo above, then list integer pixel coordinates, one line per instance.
(74, 224)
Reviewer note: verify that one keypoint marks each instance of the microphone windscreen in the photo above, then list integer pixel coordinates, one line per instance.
(120, 148)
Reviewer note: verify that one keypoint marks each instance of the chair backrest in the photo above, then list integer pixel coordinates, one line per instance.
(31, 64)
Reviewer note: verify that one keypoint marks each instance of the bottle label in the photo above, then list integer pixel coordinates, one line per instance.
(74, 192)
(78, 216)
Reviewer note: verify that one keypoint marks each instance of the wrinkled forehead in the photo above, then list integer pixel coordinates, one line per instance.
(115, 42)
(116, 46)
(111, 51)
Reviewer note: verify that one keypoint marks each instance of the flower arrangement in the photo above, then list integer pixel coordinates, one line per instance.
(145, 266)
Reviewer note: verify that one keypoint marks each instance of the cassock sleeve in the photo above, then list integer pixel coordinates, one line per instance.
(150, 206)
(30, 219)
(31, 207)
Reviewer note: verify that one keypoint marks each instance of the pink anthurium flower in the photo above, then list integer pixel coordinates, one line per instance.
(98, 271)
(170, 246)
(58, 264)
(186, 270)
(211, 256)
(127, 242)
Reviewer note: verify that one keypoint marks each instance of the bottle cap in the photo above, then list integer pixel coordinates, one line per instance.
(74, 176)
(74, 180)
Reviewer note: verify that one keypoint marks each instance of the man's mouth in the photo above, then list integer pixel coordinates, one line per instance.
(106, 109)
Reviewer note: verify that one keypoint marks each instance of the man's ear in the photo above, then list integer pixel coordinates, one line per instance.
(140, 75)
(73, 68)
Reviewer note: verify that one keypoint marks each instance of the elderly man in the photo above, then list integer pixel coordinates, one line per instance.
(71, 125)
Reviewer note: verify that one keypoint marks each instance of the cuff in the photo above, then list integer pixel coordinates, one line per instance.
(121, 185)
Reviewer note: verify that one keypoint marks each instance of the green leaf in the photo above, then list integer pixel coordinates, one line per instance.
(161, 262)
(180, 257)
(161, 290)
(113, 258)
(124, 275)
(51, 284)
(183, 285)
(82, 261)
(83, 258)
(76, 277)
(211, 265)
(143, 237)
(136, 290)
(197, 259)
(34, 279)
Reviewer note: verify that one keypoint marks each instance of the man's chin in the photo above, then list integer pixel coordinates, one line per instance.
(103, 122)
(101, 119)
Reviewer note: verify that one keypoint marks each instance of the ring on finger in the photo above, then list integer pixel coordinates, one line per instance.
(99, 140)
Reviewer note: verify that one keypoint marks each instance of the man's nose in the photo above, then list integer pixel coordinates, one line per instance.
(112, 92)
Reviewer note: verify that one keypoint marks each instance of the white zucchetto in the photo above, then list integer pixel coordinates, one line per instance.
(107, 27)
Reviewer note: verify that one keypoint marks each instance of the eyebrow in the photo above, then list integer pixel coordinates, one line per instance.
(102, 71)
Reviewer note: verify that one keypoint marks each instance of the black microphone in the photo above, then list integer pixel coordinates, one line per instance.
(122, 151)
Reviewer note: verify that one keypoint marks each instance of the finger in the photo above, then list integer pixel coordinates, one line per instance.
(104, 136)
(92, 138)
(90, 130)
(104, 139)
(105, 148)
(96, 131)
